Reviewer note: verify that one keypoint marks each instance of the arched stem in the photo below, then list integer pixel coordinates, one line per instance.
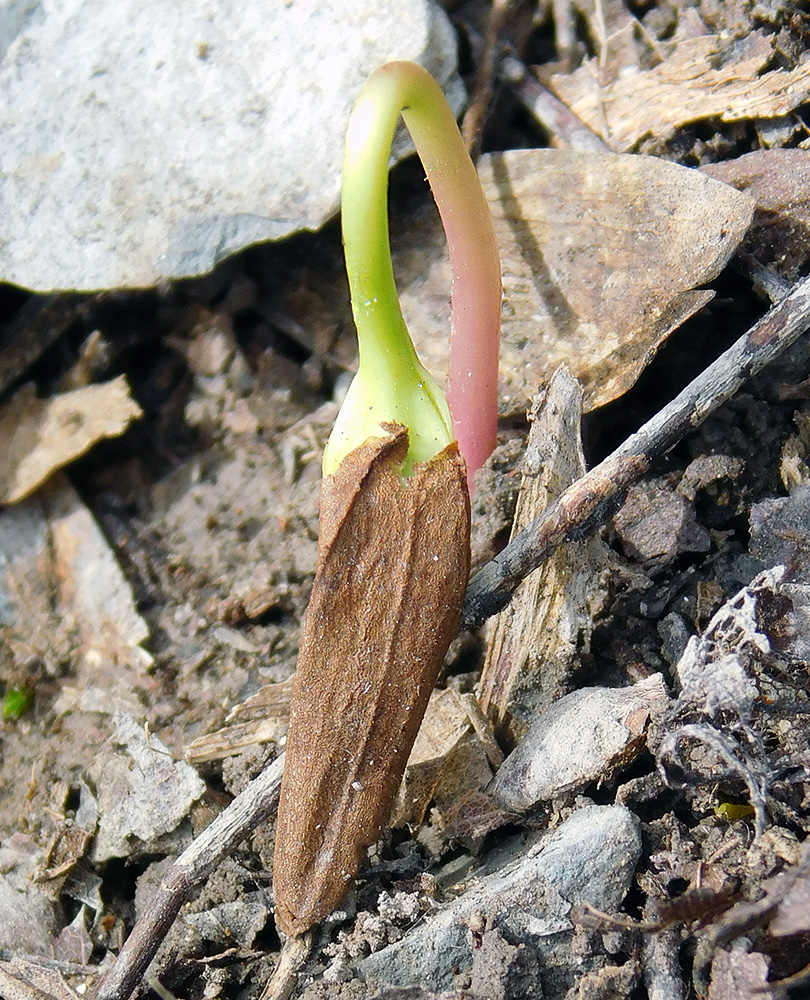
(391, 382)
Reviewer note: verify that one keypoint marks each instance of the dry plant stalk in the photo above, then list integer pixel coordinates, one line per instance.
(393, 563)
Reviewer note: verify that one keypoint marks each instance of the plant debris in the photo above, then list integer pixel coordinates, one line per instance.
(534, 645)
(703, 78)
(44, 435)
(367, 665)
(602, 259)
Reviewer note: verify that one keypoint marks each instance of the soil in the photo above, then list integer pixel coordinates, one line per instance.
(210, 503)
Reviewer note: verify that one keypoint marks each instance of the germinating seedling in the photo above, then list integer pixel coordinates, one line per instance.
(393, 550)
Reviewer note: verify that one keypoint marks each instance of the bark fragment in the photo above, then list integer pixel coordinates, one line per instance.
(534, 643)
(393, 563)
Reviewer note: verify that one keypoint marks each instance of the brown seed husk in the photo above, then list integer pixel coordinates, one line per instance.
(393, 562)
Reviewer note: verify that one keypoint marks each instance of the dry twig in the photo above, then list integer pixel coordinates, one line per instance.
(590, 500)
(257, 802)
(555, 117)
(475, 118)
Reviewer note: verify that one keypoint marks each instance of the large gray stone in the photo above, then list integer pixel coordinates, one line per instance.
(148, 139)
(585, 736)
(591, 857)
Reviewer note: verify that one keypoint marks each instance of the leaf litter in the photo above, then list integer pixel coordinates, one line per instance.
(575, 231)
(211, 516)
(703, 78)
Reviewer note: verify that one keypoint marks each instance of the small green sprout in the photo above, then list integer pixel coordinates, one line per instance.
(391, 385)
(16, 701)
(733, 812)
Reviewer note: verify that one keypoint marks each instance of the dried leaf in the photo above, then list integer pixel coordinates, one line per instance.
(91, 585)
(30, 621)
(447, 761)
(73, 943)
(66, 598)
(144, 793)
(700, 80)
(393, 562)
(601, 254)
(28, 918)
(474, 816)
(23, 980)
(615, 32)
(42, 435)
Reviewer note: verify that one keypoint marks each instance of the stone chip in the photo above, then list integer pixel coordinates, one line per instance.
(150, 139)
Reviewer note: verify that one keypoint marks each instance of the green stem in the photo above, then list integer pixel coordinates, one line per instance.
(391, 384)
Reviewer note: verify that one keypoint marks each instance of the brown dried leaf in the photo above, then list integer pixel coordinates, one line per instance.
(615, 32)
(475, 815)
(601, 254)
(393, 561)
(447, 761)
(42, 435)
(23, 980)
(699, 80)
(33, 623)
(73, 943)
(779, 181)
(92, 588)
(68, 598)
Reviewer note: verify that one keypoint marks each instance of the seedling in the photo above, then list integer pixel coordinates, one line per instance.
(393, 547)
(16, 701)
(391, 384)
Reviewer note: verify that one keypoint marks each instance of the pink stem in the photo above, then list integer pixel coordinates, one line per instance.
(472, 392)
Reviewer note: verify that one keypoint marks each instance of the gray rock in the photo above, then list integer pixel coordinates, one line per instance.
(779, 528)
(584, 736)
(149, 139)
(28, 920)
(15, 15)
(589, 858)
(144, 793)
(239, 921)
